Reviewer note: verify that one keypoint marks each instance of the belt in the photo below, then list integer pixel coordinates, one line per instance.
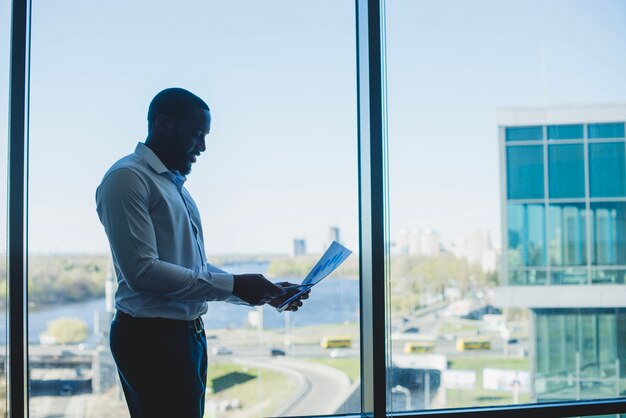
(195, 324)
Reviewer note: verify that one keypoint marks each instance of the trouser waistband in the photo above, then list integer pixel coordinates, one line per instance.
(195, 324)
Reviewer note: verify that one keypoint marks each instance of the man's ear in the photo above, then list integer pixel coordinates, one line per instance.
(164, 125)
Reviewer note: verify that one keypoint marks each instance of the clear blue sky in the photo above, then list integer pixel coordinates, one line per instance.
(280, 79)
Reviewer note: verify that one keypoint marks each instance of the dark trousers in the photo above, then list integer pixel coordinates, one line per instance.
(162, 364)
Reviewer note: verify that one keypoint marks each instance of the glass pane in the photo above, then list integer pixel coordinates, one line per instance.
(568, 276)
(568, 234)
(608, 226)
(607, 168)
(605, 130)
(529, 177)
(5, 26)
(567, 171)
(527, 277)
(565, 132)
(280, 167)
(524, 133)
(608, 276)
(525, 172)
(580, 353)
(526, 235)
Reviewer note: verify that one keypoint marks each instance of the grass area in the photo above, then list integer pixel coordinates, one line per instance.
(349, 365)
(260, 391)
(477, 363)
(456, 398)
(453, 328)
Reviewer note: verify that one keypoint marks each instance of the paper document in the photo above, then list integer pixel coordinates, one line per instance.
(332, 258)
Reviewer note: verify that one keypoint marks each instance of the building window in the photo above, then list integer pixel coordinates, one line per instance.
(524, 133)
(607, 177)
(568, 234)
(605, 130)
(525, 172)
(608, 226)
(526, 235)
(567, 171)
(565, 132)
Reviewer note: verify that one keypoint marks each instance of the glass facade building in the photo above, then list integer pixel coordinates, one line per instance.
(564, 240)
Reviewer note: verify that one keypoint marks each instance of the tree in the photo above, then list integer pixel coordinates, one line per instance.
(68, 330)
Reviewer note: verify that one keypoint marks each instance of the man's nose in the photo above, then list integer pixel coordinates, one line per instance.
(202, 145)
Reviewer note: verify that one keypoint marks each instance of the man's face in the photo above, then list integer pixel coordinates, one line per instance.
(187, 140)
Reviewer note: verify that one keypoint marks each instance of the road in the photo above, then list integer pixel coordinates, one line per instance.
(319, 389)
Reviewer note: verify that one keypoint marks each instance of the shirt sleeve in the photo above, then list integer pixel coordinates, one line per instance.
(235, 300)
(123, 205)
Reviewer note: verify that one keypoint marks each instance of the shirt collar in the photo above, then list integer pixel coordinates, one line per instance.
(151, 158)
(157, 165)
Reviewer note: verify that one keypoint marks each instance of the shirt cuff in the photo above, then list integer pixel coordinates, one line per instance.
(223, 284)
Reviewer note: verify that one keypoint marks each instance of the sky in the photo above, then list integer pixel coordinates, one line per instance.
(280, 79)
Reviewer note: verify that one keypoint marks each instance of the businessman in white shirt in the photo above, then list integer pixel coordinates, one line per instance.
(164, 280)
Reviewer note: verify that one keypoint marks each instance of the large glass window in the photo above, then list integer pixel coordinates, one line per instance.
(567, 171)
(607, 166)
(568, 234)
(280, 169)
(608, 226)
(525, 172)
(472, 156)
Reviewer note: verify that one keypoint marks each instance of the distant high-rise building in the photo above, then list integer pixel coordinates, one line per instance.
(299, 246)
(564, 244)
(423, 242)
(334, 234)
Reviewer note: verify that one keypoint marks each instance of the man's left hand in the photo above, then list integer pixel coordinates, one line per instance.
(291, 289)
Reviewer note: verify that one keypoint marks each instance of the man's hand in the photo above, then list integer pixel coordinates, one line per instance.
(290, 290)
(255, 289)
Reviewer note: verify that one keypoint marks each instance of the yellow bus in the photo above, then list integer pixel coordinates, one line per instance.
(336, 342)
(418, 347)
(473, 343)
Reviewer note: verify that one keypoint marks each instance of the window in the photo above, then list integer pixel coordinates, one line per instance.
(467, 174)
(565, 132)
(605, 130)
(469, 216)
(525, 172)
(608, 226)
(607, 170)
(276, 185)
(524, 133)
(568, 234)
(567, 171)
(526, 235)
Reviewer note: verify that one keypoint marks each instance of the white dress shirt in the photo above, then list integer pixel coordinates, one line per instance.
(156, 240)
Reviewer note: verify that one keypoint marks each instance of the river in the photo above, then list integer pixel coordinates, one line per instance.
(332, 301)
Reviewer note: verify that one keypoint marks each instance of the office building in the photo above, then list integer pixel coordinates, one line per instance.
(564, 244)
(334, 234)
(299, 246)
(423, 242)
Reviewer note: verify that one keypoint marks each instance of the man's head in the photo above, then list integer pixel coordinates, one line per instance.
(178, 121)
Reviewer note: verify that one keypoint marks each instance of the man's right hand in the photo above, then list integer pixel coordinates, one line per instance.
(255, 289)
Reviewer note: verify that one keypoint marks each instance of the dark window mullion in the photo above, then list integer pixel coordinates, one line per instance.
(17, 390)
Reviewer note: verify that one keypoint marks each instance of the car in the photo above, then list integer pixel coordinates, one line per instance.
(221, 351)
(277, 352)
(412, 330)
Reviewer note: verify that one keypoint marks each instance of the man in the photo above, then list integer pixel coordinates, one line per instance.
(164, 280)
